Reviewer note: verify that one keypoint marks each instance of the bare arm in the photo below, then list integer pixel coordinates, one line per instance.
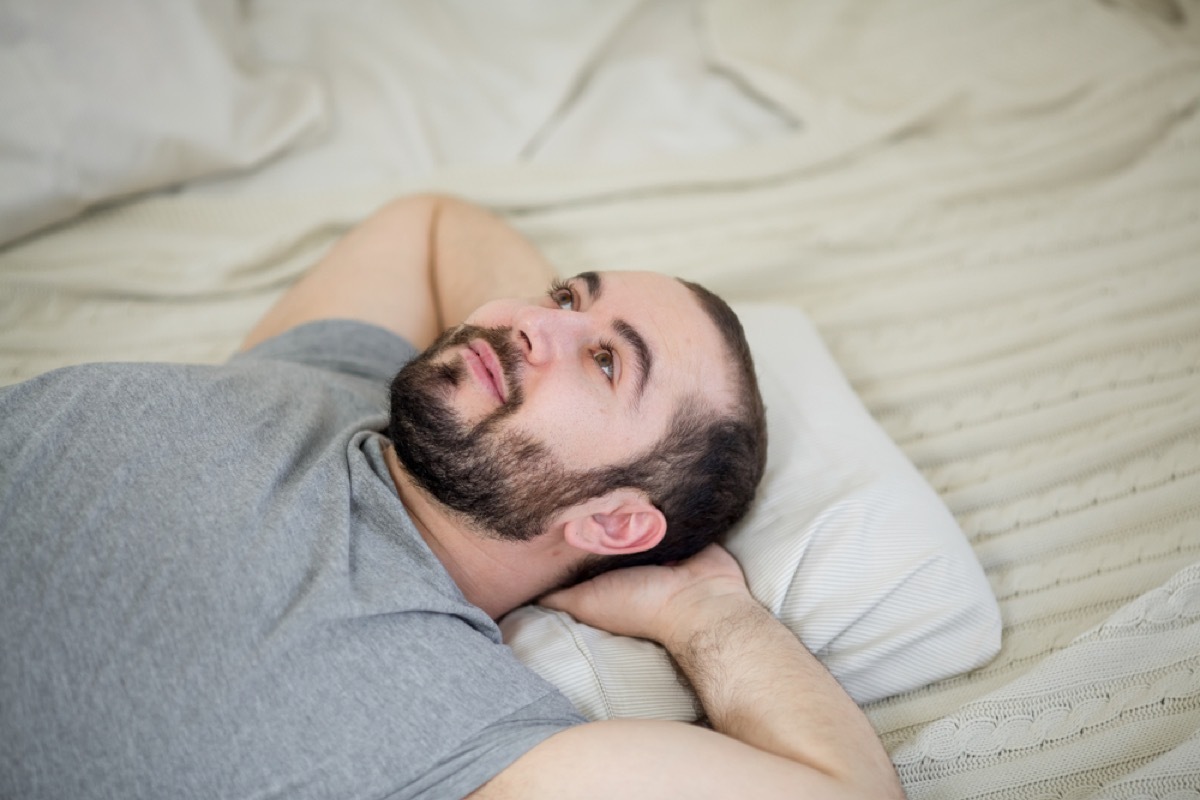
(417, 266)
(784, 727)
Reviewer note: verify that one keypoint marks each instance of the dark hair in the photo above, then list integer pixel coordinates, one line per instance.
(704, 471)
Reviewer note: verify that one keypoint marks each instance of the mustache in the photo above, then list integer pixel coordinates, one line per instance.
(508, 353)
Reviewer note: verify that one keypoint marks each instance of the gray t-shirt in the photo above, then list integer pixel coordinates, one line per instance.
(209, 588)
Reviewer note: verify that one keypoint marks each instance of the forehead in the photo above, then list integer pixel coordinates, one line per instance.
(688, 352)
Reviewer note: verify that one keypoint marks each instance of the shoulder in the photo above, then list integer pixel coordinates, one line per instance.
(345, 346)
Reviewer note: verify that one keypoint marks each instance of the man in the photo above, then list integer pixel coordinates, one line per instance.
(225, 582)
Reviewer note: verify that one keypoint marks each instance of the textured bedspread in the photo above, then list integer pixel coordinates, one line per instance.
(1013, 286)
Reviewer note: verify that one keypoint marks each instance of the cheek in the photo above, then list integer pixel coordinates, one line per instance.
(580, 432)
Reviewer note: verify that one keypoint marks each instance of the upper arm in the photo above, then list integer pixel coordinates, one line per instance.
(652, 759)
(415, 267)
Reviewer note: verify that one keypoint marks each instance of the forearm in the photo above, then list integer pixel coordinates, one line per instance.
(784, 727)
(478, 257)
(756, 681)
(758, 684)
(417, 266)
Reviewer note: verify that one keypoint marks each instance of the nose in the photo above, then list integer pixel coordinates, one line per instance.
(548, 334)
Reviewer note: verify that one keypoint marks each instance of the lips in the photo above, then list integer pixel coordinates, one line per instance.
(485, 366)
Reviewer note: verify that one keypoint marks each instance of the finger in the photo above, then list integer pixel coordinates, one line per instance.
(560, 600)
(552, 600)
(717, 556)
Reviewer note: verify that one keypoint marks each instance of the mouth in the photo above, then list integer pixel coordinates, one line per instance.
(485, 366)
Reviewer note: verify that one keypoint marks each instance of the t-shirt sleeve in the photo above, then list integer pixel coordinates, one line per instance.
(494, 749)
(344, 346)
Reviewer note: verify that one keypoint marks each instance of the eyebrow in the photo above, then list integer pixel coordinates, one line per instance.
(643, 357)
(594, 285)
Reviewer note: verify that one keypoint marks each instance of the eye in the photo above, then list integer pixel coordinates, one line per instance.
(562, 295)
(604, 360)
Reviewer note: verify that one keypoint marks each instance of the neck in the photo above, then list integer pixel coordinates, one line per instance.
(494, 574)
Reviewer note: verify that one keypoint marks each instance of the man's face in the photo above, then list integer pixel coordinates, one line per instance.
(512, 416)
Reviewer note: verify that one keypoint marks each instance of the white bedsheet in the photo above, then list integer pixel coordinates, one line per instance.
(417, 86)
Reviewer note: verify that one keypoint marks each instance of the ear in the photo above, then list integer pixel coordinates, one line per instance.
(620, 522)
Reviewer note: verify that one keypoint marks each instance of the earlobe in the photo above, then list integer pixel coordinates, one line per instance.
(615, 525)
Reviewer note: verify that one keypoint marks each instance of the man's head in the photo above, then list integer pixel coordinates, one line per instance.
(620, 407)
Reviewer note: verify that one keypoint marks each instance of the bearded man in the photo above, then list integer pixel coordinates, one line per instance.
(281, 577)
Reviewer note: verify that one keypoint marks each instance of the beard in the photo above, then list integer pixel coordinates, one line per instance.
(499, 482)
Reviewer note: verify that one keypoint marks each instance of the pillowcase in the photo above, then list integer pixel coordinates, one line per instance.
(846, 543)
(101, 100)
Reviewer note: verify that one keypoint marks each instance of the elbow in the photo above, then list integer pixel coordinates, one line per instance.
(429, 203)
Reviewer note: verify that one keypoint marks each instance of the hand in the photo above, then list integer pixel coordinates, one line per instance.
(657, 602)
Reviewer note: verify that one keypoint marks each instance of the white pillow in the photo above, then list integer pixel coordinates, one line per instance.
(847, 544)
(101, 100)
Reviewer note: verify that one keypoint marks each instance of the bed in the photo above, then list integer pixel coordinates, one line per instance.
(989, 210)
